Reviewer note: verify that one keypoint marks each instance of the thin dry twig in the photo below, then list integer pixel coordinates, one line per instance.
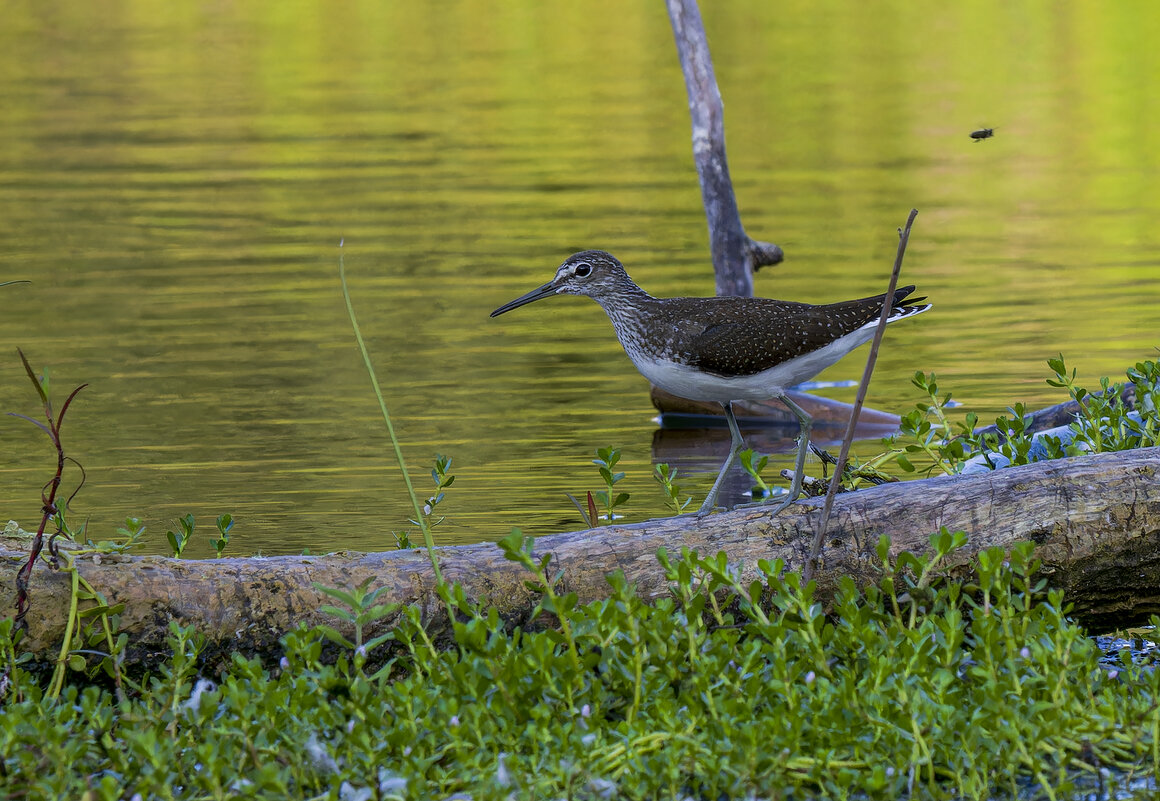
(887, 303)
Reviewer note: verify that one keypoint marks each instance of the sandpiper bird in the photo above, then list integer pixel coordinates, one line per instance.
(723, 349)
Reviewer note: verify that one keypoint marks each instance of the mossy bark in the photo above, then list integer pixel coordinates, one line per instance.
(1095, 521)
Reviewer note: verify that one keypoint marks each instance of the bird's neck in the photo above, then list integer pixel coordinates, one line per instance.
(630, 309)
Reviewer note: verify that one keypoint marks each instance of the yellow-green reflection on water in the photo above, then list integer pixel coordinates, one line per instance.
(175, 180)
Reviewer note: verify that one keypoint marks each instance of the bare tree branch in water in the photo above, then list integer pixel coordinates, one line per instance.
(735, 255)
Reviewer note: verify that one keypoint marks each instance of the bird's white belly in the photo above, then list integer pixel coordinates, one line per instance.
(684, 382)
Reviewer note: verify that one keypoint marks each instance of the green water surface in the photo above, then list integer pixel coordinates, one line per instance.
(175, 179)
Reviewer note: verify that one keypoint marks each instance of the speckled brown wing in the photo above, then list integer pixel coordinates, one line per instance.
(718, 343)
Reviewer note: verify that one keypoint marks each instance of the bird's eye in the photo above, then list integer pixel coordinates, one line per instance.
(583, 269)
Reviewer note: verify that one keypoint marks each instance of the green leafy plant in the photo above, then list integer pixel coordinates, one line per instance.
(186, 524)
(1013, 440)
(606, 461)
(92, 642)
(930, 441)
(403, 540)
(132, 535)
(87, 632)
(442, 478)
(182, 537)
(666, 476)
(12, 661)
(518, 548)
(1105, 423)
(361, 610)
(932, 432)
(224, 524)
(753, 464)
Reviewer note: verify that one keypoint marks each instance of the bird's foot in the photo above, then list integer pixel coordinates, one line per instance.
(785, 502)
(708, 507)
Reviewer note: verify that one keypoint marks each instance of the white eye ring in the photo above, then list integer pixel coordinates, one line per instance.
(583, 269)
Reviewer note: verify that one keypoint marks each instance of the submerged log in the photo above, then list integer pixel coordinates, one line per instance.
(1095, 521)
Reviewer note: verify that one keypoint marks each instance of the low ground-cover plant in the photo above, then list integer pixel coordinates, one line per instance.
(917, 686)
(1101, 423)
(929, 441)
(186, 524)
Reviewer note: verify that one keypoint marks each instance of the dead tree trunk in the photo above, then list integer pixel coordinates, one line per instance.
(735, 255)
(1095, 521)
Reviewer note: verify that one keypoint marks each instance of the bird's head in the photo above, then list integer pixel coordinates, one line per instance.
(590, 272)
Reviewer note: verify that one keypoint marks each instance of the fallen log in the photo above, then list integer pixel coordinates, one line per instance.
(1095, 521)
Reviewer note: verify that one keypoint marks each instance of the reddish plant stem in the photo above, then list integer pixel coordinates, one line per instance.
(48, 493)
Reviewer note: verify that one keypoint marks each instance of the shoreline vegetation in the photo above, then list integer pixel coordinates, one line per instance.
(938, 669)
(921, 684)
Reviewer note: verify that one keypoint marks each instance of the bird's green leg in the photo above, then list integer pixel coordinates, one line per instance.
(799, 470)
(735, 448)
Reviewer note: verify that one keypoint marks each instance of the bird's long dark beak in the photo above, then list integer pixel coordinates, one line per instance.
(546, 291)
